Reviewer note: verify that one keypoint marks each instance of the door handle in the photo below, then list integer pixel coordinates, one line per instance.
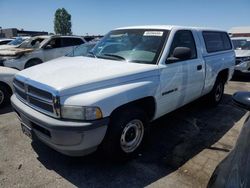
(199, 67)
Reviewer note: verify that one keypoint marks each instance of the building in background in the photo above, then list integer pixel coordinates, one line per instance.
(240, 31)
(14, 32)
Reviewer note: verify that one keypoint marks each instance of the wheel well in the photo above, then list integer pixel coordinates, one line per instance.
(223, 75)
(147, 104)
(30, 60)
(7, 87)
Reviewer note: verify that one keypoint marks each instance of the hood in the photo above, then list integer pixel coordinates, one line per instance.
(14, 51)
(242, 53)
(69, 75)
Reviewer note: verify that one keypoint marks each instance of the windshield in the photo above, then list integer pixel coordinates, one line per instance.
(81, 50)
(32, 43)
(131, 45)
(17, 41)
(241, 44)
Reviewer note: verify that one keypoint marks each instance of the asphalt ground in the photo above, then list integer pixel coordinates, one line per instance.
(182, 150)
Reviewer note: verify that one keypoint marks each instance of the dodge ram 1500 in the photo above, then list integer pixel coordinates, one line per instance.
(133, 76)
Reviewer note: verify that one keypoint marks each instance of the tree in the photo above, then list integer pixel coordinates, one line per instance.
(62, 22)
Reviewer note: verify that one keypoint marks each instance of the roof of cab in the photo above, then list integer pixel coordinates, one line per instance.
(169, 27)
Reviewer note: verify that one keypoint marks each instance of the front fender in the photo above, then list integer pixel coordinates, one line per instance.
(110, 98)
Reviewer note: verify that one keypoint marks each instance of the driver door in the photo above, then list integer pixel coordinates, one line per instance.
(181, 81)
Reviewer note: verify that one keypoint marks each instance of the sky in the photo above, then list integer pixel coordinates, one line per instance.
(100, 16)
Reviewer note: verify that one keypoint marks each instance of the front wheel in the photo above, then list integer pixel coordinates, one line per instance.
(4, 95)
(125, 134)
(216, 95)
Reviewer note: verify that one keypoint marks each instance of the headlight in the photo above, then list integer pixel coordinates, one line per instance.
(242, 64)
(80, 113)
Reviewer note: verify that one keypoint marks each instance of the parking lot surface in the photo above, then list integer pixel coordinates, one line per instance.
(182, 150)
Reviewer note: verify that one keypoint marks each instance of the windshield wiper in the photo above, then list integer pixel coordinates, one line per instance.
(116, 56)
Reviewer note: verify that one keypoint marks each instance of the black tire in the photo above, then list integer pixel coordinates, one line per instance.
(120, 130)
(32, 62)
(216, 95)
(4, 95)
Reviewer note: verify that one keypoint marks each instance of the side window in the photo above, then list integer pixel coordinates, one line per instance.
(226, 41)
(77, 41)
(54, 43)
(71, 42)
(216, 41)
(184, 38)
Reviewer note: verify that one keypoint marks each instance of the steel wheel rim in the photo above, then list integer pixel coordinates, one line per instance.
(1, 96)
(218, 92)
(131, 136)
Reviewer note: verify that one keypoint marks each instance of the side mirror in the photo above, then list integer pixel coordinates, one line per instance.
(180, 54)
(48, 47)
(242, 99)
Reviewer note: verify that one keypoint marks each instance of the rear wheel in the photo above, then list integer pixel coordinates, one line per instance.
(216, 95)
(4, 95)
(125, 134)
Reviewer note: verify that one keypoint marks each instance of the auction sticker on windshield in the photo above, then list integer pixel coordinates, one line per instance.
(153, 33)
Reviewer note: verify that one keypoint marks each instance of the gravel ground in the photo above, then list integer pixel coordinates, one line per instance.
(182, 150)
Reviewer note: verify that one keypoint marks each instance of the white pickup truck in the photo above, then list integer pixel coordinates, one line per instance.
(133, 76)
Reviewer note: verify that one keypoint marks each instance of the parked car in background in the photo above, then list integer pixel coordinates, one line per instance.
(133, 76)
(234, 170)
(6, 86)
(37, 50)
(4, 41)
(82, 50)
(14, 43)
(242, 51)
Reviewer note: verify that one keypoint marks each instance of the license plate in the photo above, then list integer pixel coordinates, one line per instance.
(26, 130)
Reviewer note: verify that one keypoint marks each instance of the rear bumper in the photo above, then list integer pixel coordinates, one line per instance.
(67, 137)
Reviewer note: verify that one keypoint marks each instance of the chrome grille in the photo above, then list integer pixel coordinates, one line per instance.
(36, 98)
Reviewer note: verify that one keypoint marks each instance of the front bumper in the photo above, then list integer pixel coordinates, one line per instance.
(67, 137)
(243, 67)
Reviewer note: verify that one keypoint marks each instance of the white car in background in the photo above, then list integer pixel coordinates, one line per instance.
(14, 43)
(37, 50)
(242, 52)
(4, 41)
(6, 87)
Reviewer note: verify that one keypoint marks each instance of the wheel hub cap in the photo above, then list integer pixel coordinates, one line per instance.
(132, 135)
(218, 92)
